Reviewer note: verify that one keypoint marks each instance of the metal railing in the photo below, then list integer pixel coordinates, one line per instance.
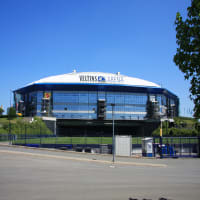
(171, 146)
(177, 146)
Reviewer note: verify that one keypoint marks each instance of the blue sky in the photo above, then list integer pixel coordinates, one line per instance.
(39, 38)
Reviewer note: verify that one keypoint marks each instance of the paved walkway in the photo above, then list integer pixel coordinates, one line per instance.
(79, 156)
(28, 173)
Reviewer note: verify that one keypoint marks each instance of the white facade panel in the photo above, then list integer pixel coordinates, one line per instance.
(123, 145)
(95, 78)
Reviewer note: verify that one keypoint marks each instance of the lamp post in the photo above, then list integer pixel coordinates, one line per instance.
(10, 132)
(113, 136)
(40, 136)
(10, 117)
(161, 133)
(25, 134)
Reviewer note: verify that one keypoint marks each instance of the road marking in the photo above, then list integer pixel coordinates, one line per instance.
(82, 159)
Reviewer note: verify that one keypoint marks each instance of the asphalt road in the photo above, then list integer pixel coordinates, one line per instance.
(41, 174)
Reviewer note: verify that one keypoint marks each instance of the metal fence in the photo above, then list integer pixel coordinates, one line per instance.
(4, 137)
(98, 144)
(53, 139)
(176, 146)
(162, 147)
(83, 144)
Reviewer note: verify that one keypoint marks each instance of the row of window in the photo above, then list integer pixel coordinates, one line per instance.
(84, 104)
(92, 97)
(94, 116)
(76, 107)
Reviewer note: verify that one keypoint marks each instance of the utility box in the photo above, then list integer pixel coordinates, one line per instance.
(147, 147)
(123, 145)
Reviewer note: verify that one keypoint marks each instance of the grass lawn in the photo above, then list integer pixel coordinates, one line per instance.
(98, 140)
(71, 140)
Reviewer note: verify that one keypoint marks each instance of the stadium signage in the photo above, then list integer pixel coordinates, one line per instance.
(101, 79)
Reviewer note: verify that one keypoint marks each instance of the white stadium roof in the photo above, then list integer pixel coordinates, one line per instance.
(95, 78)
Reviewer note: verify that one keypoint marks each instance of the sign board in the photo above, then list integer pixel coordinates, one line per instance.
(100, 79)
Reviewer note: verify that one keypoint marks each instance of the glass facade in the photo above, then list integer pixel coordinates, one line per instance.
(84, 104)
(81, 101)
(74, 105)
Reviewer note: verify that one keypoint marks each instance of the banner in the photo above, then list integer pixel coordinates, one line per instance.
(47, 95)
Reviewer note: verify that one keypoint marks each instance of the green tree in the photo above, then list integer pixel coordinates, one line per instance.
(11, 113)
(187, 57)
(1, 111)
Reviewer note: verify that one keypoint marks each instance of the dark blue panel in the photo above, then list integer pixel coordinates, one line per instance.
(94, 87)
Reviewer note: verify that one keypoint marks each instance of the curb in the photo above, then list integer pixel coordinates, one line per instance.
(84, 159)
(75, 158)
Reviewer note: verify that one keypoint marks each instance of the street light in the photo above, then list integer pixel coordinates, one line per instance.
(113, 137)
(10, 117)
(10, 132)
(161, 134)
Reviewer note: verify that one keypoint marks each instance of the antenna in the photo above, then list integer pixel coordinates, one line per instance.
(118, 73)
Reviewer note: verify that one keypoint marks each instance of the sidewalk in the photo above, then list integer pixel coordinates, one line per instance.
(79, 156)
(4, 143)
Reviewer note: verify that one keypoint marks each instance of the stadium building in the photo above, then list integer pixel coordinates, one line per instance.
(85, 103)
